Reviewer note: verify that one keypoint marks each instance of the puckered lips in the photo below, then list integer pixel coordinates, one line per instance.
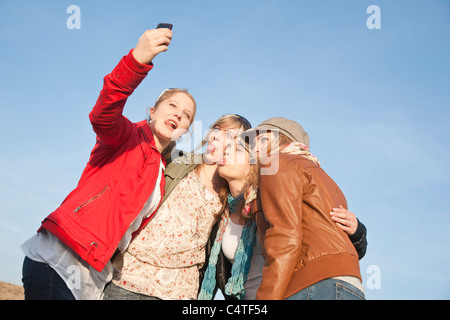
(212, 149)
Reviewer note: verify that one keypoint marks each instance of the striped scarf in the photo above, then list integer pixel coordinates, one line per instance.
(241, 266)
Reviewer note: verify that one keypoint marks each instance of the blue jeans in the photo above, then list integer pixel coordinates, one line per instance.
(41, 282)
(329, 289)
(114, 292)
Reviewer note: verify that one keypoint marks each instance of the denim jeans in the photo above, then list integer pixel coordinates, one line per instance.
(329, 289)
(114, 292)
(41, 282)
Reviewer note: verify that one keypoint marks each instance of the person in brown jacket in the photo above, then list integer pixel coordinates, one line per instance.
(307, 255)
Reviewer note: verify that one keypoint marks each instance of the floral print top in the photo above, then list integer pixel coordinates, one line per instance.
(164, 258)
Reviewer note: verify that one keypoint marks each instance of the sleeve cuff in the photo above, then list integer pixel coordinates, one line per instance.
(359, 233)
(136, 66)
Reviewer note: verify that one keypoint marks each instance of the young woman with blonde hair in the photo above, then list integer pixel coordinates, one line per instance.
(119, 190)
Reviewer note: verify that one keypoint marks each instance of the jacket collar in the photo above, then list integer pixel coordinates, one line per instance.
(148, 136)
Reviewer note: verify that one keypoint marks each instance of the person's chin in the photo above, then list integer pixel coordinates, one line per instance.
(165, 134)
(223, 172)
(210, 159)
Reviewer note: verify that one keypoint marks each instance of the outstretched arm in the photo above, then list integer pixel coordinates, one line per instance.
(111, 127)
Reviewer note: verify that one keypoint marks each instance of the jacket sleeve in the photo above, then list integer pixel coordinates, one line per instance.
(111, 127)
(283, 210)
(359, 239)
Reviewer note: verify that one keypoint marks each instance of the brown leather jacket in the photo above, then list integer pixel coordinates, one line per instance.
(300, 242)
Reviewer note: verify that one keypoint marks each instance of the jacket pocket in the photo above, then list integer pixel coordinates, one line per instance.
(90, 200)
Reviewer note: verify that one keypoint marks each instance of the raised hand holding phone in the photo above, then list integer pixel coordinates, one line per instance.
(152, 43)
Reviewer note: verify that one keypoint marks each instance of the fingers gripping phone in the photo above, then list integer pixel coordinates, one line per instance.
(165, 25)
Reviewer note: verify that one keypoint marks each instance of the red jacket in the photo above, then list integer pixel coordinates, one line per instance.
(119, 177)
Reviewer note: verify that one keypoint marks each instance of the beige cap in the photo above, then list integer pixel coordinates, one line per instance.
(290, 128)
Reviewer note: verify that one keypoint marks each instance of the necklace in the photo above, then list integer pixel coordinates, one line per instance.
(210, 180)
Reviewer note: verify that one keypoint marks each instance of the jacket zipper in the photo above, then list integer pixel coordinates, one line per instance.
(90, 200)
(145, 138)
(141, 173)
(143, 134)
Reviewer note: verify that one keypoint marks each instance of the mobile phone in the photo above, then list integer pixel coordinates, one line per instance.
(165, 25)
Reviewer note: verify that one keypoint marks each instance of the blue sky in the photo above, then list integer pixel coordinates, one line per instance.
(374, 102)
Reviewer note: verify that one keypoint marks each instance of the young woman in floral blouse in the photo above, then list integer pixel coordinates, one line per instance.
(164, 259)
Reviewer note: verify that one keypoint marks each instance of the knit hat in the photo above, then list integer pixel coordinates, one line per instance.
(290, 128)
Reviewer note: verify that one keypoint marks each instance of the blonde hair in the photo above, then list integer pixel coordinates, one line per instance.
(166, 94)
(229, 121)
